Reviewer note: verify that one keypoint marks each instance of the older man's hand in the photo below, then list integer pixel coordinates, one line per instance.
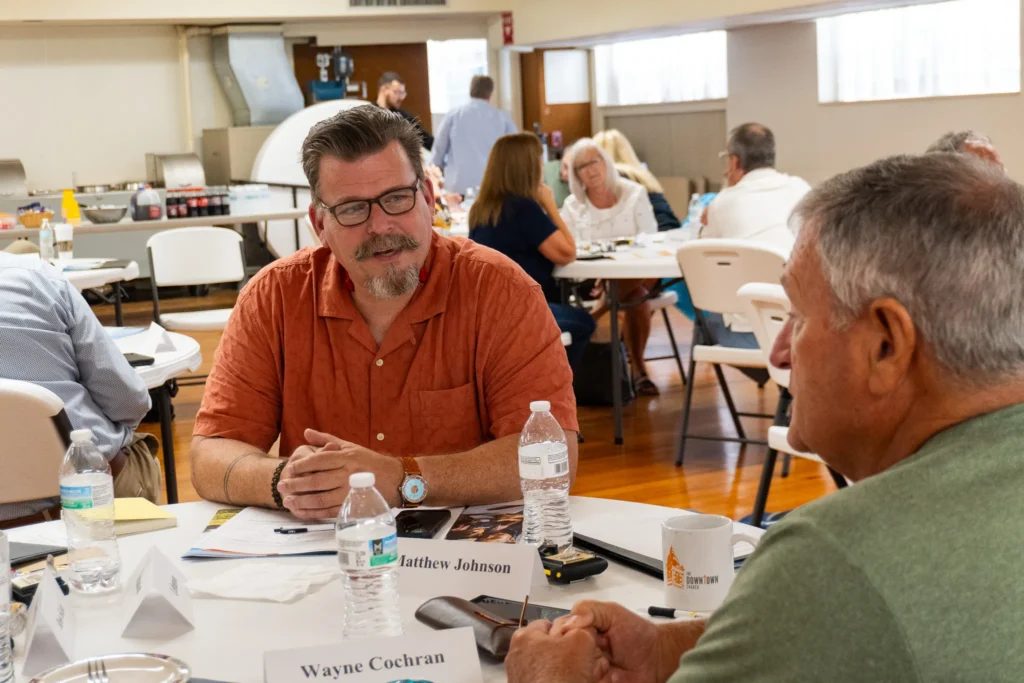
(536, 655)
(314, 483)
(631, 644)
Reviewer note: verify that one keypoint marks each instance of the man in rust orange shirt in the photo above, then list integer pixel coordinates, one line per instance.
(390, 349)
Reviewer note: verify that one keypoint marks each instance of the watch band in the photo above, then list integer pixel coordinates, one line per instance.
(410, 466)
(413, 478)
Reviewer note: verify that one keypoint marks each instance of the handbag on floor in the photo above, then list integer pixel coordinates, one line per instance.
(593, 379)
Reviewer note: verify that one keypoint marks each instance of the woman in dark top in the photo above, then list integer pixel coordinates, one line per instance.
(516, 214)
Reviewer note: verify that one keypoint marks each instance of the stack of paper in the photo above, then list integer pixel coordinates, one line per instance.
(252, 533)
(138, 515)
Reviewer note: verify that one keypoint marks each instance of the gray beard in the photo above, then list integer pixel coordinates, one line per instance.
(395, 282)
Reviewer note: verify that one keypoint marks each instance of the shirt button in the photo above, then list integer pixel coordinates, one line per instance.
(380, 436)
(380, 362)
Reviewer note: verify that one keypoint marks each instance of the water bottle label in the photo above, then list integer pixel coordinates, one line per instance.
(371, 554)
(86, 497)
(541, 463)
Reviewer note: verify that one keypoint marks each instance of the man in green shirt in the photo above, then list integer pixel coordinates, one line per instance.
(906, 350)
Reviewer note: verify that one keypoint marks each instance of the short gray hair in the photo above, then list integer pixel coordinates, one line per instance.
(356, 133)
(612, 178)
(956, 141)
(943, 234)
(754, 145)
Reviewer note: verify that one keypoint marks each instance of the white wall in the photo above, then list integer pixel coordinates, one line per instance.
(94, 100)
(773, 80)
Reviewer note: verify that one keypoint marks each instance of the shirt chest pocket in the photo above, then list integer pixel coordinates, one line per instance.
(446, 420)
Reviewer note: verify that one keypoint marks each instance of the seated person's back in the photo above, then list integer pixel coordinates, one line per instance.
(516, 214)
(50, 337)
(758, 201)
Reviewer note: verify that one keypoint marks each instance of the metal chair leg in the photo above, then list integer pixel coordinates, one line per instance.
(686, 415)
(762, 488)
(675, 348)
(839, 479)
(786, 461)
(729, 401)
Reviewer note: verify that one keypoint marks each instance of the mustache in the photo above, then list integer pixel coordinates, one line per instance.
(386, 242)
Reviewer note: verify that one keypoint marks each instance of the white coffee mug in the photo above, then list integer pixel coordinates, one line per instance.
(697, 551)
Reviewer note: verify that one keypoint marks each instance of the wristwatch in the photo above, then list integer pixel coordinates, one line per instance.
(414, 487)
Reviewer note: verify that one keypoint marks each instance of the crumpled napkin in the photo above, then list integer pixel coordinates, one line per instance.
(264, 581)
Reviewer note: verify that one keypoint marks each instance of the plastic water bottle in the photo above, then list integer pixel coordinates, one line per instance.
(693, 217)
(368, 556)
(46, 243)
(6, 665)
(87, 506)
(544, 475)
(468, 198)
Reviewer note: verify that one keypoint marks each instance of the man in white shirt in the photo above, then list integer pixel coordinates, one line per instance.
(755, 206)
(758, 200)
(467, 134)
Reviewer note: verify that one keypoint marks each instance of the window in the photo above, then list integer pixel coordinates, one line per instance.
(963, 47)
(451, 64)
(674, 69)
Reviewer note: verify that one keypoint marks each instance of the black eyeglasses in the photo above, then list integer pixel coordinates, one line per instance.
(393, 203)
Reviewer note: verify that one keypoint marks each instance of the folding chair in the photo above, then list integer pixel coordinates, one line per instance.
(714, 270)
(194, 256)
(662, 302)
(37, 433)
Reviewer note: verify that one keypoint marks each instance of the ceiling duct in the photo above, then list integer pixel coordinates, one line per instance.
(253, 68)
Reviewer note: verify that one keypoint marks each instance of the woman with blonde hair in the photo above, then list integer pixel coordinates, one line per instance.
(515, 213)
(605, 206)
(627, 163)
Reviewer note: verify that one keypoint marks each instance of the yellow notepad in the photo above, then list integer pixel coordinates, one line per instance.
(138, 515)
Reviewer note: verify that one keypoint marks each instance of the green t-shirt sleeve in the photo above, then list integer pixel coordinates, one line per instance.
(801, 610)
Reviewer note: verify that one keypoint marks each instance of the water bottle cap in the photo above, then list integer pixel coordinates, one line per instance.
(540, 406)
(81, 435)
(362, 480)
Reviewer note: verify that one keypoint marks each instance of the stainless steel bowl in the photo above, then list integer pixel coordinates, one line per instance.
(104, 214)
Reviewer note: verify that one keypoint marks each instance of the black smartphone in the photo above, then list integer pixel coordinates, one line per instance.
(511, 609)
(421, 523)
(26, 553)
(137, 359)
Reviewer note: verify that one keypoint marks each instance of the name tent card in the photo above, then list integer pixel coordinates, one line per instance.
(443, 657)
(156, 599)
(51, 628)
(466, 569)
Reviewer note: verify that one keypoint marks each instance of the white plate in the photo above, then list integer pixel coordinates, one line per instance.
(126, 668)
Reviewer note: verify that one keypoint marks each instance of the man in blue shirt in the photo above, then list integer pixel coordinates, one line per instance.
(467, 135)
(50, 337)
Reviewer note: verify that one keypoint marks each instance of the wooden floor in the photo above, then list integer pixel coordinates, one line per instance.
(717, 477)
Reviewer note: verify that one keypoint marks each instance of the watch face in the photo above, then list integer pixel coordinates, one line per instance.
(414, 489)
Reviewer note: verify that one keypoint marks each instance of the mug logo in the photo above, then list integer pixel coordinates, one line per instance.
(674, 571)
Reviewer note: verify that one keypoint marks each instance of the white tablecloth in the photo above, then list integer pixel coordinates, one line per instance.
(89, 279)
(231, 636)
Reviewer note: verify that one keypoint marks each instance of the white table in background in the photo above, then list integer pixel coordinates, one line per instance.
(98, 277)
(231, 635)
(159, 378)
(655, 260)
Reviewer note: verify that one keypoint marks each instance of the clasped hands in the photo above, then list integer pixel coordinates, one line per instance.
(314, 483)
(599, 642)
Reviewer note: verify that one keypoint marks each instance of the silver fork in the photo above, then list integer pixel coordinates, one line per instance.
(96, 672)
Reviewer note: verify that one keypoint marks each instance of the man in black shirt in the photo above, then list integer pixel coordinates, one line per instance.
(391, 94)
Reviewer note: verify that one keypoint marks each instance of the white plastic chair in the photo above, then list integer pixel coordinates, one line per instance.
(767, 310)
(36, 433)
(194, 256)
(714, 270)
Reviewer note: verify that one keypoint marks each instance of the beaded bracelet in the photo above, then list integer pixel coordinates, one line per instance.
(274, 482)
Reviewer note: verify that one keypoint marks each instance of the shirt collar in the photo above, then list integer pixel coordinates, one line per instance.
(431, 298)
